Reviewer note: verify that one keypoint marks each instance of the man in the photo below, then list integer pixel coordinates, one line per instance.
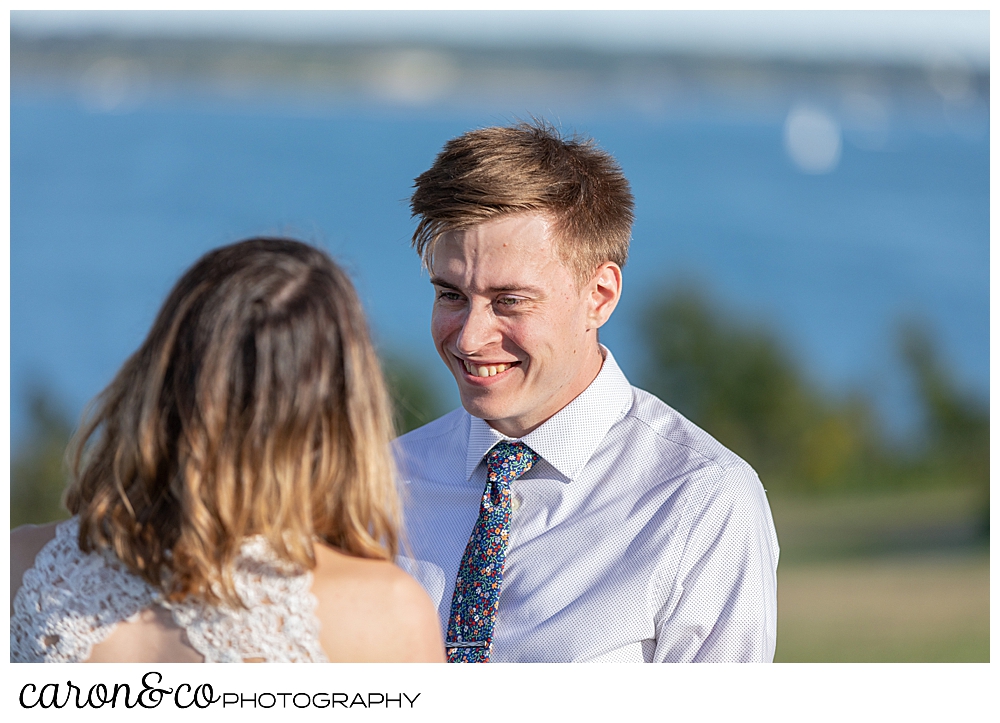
(562, 514)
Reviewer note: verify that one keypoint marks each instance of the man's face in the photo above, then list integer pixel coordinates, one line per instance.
(511, 322)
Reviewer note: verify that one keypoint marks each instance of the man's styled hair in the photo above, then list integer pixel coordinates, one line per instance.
(491, 172)
(255, 406)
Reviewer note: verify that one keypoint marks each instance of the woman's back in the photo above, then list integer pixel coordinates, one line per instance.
(251, 423)
(71, 606)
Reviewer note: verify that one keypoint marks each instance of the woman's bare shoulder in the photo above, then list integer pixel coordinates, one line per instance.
(370, 610)
(25, 543)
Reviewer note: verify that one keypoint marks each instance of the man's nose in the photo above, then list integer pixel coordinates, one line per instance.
(478, 329)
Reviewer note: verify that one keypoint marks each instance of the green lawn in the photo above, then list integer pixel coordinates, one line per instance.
(883, 577)
(912, 608)
(887, 577)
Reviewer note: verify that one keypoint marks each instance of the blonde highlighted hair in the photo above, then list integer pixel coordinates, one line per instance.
(256, 406)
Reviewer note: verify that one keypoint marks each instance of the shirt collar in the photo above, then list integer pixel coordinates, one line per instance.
(569, 438)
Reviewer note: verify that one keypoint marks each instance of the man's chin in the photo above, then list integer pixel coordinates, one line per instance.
(486, 409)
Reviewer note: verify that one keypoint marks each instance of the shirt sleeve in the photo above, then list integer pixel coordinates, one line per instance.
(722, 604)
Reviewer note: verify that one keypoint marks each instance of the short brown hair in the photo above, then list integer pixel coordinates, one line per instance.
(255, 406)
(528, 167)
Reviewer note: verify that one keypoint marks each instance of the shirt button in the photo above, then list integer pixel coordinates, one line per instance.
(515, 503)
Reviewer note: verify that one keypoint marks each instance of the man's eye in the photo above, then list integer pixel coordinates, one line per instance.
(449, 295)
(508, 301)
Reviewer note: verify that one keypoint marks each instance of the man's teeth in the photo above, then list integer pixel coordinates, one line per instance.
(490, 370)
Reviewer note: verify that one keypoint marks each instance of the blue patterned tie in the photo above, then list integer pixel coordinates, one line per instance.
(477, 589)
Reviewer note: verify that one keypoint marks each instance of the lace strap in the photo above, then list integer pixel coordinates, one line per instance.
(69, 601)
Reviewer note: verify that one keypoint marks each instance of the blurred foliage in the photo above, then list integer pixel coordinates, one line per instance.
(956, 443)
(741, 384)
(415, 400)
(38, 471)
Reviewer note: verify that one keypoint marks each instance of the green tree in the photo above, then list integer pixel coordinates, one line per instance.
(956, 444)
(38, 472)
(740, 384)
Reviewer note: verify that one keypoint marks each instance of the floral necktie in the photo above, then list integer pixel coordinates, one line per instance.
(477, 589)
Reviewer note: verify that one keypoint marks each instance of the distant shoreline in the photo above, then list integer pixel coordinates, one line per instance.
(421, 73)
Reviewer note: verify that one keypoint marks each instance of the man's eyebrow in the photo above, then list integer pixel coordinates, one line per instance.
(513, 287)
(438, 281)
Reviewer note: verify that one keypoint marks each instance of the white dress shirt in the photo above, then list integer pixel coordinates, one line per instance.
(635, 538)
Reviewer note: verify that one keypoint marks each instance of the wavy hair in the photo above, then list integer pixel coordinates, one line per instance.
(256, 406)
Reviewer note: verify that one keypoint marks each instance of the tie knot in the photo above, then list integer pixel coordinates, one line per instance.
(509, 460)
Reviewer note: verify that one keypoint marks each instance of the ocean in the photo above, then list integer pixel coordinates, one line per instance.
(107, 210)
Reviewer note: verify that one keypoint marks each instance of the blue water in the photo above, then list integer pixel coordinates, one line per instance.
(108, 210)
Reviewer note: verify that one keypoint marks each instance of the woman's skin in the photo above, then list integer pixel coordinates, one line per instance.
(369, 611)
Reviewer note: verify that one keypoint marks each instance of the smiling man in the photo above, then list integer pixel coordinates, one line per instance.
(563, 515)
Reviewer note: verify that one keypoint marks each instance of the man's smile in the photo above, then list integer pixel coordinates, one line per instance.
(486, 370)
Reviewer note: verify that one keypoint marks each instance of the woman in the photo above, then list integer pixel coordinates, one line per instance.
(232, 491)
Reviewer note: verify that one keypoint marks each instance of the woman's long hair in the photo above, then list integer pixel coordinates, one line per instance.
(256, 406)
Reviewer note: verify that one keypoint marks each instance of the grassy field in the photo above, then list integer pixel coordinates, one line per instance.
(882, 578)
(901, 608)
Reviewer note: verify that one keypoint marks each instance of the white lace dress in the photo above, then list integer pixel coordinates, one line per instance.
(69, 601)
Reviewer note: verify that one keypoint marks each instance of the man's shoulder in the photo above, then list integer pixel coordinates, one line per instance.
(445, 438)
(698, 469)
(675, 434)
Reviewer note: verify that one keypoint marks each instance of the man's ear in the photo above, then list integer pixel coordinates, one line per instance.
(604, 290)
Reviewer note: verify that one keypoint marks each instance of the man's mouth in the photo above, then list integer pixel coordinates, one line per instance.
(487, 370)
